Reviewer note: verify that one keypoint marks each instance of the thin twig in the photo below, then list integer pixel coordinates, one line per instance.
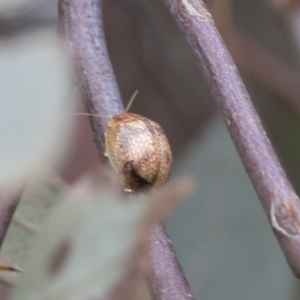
(30, 16)
(25, 224)
(278, 198)
(82, 29)
(255, 59)
(267, 68)
(9, 201)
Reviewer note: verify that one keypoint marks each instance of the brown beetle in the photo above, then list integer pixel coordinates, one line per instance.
(139, 150)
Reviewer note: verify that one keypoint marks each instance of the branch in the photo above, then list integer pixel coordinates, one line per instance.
(166, 275)
(82, 29)
(277, 196)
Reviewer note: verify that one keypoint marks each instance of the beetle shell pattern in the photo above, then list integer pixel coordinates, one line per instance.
(139, 150)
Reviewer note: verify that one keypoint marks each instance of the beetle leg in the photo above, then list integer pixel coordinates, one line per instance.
(132, 179)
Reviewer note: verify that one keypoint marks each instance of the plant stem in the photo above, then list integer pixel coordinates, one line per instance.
(277, 196)
(166, 275)
(82, 29)
(81, 26)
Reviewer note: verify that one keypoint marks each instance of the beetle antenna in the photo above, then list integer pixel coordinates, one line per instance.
(131, 100)
(87, 114)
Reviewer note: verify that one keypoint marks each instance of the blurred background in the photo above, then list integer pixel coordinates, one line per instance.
(221, 234)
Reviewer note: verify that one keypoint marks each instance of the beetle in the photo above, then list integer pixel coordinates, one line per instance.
(138, 149)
